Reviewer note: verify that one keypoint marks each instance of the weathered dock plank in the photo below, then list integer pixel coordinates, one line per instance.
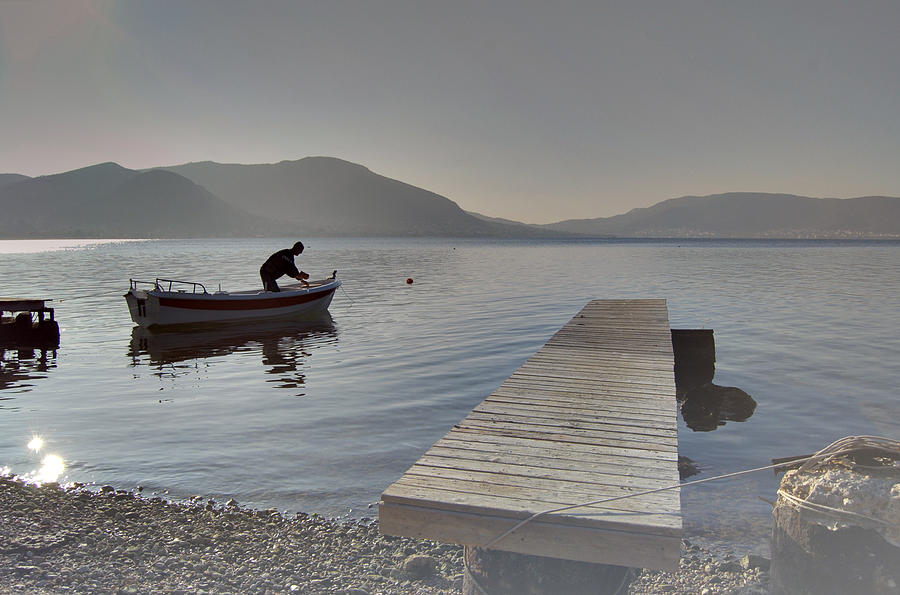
(13, 304)
(590, 417)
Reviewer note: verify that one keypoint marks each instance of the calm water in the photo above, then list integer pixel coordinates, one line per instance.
(321, 418)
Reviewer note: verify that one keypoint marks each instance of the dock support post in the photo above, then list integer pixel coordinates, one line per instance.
(695, 358)
(495, 572)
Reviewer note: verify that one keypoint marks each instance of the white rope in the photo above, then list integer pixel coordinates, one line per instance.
(347, 295)
(830, 452)
(885, 445)
(830, 510)
(84, 296)
(839, 447)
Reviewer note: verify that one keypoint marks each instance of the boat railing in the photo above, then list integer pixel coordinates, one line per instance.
(170, 285)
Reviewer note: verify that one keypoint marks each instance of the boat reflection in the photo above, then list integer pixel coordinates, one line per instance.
(705, 405)
(20, 367)
(283, 346)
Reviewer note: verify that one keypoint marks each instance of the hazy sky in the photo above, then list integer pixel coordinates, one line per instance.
(532, 110)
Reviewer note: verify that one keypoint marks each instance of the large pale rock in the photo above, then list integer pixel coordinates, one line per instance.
(844, 536)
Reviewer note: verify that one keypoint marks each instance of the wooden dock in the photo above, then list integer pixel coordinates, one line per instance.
(591, 415)
(14, 305)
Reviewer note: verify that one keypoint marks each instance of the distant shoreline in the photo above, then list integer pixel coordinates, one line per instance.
(561, 238)
(34, 245)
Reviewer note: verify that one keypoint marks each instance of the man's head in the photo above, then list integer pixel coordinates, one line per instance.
(298, 248)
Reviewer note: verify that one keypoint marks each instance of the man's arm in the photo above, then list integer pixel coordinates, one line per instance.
(290, 269)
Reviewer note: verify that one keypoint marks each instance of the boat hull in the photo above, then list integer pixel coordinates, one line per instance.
(153, 308)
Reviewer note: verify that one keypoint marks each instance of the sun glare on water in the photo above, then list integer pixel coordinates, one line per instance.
(36, 444)
(33, 246)
(52, 466)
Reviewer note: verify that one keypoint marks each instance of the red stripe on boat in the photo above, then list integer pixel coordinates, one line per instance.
(254, 304)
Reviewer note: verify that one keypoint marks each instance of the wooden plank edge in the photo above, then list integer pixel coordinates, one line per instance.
(598, 516)
(537, 538)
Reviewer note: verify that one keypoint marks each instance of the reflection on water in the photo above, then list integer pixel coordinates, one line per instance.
(36, 246)
(20, 367)
(709, 406)
(36, 444)
(705, 406)
(52, 466)
(283, 346)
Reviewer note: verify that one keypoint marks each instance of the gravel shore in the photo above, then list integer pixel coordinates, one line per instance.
(55, 540)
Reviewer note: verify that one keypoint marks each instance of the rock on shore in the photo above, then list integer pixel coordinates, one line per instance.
(55, 540)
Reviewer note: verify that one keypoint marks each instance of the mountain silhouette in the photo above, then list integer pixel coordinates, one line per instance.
(326, 196)
(108, 200)
(750, 215)
(330, 196)
(7, 179)
(159, 203)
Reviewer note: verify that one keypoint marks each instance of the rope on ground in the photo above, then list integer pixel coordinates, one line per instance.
(843, 446)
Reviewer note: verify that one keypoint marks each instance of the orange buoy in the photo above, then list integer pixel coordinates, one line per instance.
(409, 280)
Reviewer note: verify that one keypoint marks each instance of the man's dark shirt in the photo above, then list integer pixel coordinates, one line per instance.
(280, 263)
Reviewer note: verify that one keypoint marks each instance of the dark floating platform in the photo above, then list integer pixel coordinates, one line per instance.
(705, 405)
(31, 324)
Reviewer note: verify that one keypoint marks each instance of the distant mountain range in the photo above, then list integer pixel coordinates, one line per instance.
(6, 179)
(108, 200)
(325, 196)
(749, 215)
(330, 197)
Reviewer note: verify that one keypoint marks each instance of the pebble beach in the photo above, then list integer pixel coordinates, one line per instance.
(78, 540)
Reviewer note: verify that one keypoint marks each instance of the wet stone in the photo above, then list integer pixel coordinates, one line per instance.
(420, 566)
(751, 561)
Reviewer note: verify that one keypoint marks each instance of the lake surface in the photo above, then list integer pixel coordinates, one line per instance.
(322, 417)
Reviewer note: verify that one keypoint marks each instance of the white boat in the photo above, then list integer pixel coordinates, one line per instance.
(166, 302)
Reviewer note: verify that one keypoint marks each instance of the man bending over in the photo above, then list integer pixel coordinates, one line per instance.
(282, 263)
